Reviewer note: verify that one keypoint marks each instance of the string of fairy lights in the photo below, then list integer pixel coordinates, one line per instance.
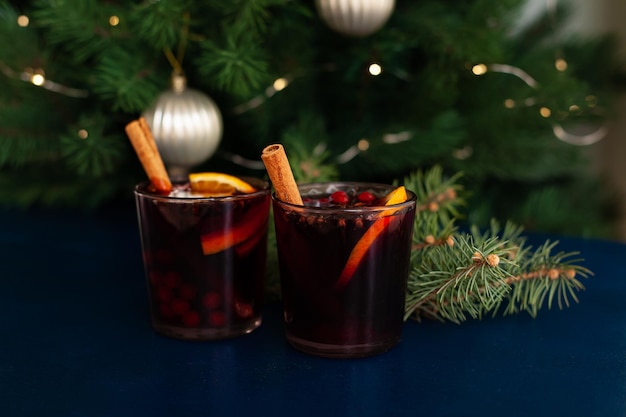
(37, 77)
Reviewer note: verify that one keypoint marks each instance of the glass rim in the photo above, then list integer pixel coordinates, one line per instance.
(411, 198)
(263, 186)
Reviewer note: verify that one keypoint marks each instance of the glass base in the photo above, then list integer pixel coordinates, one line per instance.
(342, 351)
(205, 333)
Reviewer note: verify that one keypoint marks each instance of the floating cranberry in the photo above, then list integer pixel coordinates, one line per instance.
(191, 319)
(323, 201)
(179, 306)
(243, 310)
(339, 197)
(211, 300)
(217, 318)
(366, 197)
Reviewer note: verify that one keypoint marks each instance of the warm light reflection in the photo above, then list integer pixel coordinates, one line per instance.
(479, 69)
(363, 145)
(509, 103)
(23, 21)
(37, 76)
(375, 69)
(114, 20)
(545, 112)
(280, 84)
(83, 134)
(560, 64)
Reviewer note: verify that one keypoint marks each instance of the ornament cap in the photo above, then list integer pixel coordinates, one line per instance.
(179, 82)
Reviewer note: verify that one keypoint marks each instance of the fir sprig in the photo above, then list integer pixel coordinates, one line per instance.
(455, 281)
(455, 276)
(542, 276)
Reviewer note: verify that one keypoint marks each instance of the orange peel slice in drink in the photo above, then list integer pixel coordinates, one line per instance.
(246, 229)
(396, 196)
(217, 184)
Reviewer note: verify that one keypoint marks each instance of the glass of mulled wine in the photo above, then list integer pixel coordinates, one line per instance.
(344, 261)
(204, 260)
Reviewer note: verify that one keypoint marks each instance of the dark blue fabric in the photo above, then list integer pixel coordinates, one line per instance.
(76, 341)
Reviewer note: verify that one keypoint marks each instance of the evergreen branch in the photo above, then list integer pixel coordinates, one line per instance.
(458, 281)
(74, 26)
(459, 276)
(237, 65)
(127, 79)
(543, 277)
(308, 165)
(424, 144)
(161, 23)
(437, 196)
(95, 154)
(439, 199)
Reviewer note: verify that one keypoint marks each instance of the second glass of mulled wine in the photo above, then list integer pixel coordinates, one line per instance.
(204, 260)
(344, 260)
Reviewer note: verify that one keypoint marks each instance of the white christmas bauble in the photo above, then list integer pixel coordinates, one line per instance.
(355, 17)
(186, 125)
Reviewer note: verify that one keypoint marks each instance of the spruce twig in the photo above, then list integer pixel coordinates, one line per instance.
(455, 276)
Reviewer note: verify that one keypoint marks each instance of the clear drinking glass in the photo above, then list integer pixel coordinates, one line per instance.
(204, 260)
(344, 268)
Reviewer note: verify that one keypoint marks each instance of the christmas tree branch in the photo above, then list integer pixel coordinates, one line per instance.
(456, 281)
(543, 276)
(456, 276)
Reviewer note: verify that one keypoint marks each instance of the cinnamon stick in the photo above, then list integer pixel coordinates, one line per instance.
(281, 176)
(143, 142)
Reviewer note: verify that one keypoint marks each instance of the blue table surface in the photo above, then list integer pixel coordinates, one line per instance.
(77, 342)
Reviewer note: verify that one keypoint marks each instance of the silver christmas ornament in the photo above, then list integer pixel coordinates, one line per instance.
(356, 18)
(186, 125)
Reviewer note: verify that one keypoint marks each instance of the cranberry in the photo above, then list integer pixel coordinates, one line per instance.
(339, 197)
(243, 310)
(179, 306)
(217, 318)
(191, 318)
(211, 300)
(366, 197)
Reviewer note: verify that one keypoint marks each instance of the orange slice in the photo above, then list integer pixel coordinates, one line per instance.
(246, 229)
(250, 243)
(396, 196)
(217, 184)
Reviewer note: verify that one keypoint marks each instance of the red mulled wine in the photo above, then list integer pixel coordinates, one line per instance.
(344, 261)
(204, 259)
